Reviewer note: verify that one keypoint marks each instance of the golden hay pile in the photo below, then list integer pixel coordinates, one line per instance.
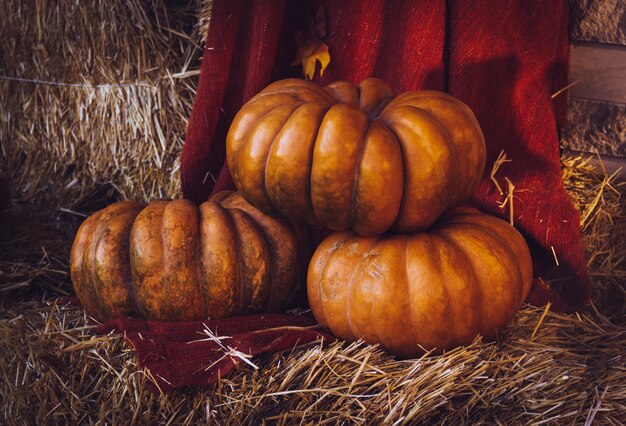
(547, 368)
(96, 97)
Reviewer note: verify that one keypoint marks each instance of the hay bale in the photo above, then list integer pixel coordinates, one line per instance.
(601, 199)
(95, 95)
(546, 368)
(204, 18)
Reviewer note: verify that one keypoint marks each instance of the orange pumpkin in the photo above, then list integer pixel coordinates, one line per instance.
(173, 260)
(467, 275)
(355, 157)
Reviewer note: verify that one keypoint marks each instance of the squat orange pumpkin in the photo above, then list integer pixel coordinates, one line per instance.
(173, 260)
(355, 157)
(467, 275)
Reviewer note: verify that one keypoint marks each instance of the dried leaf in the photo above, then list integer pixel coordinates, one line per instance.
(311, 50)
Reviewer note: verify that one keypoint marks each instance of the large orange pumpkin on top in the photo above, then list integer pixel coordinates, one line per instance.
(433, 290)
(173, 260)
(346, 156)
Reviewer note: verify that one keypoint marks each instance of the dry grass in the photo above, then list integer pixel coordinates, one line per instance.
(602, 202)
(547, 368)
(116, 132)
(34, 255)
(95, 94)
(204, 17)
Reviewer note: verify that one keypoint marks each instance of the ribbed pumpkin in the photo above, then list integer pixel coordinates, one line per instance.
(465, 276)
(355, 157)
(173, 260)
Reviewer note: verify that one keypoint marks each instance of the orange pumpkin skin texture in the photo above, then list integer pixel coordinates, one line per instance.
(467, 275)
(355, 157)
(173, 260)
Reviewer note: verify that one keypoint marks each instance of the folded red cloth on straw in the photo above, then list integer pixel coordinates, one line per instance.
(504, 58)
(197, 353)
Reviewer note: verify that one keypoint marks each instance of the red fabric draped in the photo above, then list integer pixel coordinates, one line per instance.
(504, 58)
(505, 63)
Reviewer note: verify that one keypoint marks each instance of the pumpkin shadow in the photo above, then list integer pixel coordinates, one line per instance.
(492, 89)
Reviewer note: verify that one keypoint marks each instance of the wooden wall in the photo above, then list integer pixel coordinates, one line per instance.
(597, 99)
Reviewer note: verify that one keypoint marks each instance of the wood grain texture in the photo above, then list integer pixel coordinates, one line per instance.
(595, 126)
(599, 71)
(598, 20)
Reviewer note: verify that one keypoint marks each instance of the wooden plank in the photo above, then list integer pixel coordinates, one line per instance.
(598, 20)
(595, 127)
(600, 72)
